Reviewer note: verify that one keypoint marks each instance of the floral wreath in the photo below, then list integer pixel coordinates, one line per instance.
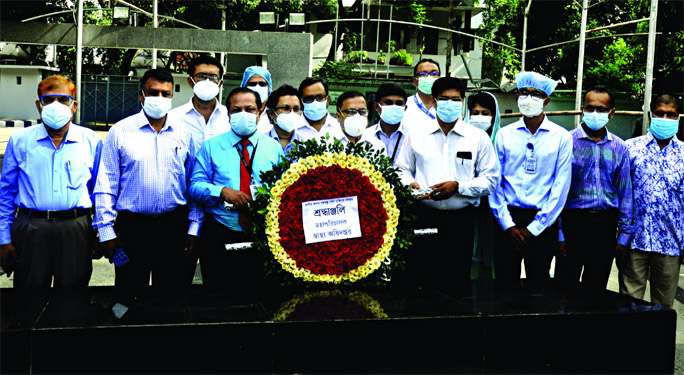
(330, 304)
(326, 169)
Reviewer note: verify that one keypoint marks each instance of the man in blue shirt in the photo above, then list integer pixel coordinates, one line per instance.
(656, 161)
(226, 173)
(141, 198)
(284, 111)
(535, 155)
(48, 176)
(599, 206)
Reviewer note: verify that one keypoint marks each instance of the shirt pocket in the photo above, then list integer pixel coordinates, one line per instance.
(464, 164)
(675, 180)
(78, 174)
(178, 155)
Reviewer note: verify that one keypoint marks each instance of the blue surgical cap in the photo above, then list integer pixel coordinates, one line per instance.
(536, 80)
(258, 71)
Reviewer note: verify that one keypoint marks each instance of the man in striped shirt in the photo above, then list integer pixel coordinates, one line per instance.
(597, 220)
(142, 204)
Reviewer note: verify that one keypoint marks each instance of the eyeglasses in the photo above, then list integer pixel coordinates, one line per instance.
(352, 111)
(310, 98)
(211, 77)
(452, 99)
(288, 109)
(50, 98)
(254, 84)
(399, 102)
(591, 108)
(663, 114)
(534, 93)
(248, 109)
(433, 73)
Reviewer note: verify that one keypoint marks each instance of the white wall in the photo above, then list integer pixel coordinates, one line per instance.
(17, 101)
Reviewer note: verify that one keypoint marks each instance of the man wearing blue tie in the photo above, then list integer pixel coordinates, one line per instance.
(48, 176)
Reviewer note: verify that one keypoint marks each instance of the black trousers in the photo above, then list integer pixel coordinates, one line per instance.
(58, 248)
(537, 254)
(443, 260)
(236, 270)
(155, 245)
(590, 238)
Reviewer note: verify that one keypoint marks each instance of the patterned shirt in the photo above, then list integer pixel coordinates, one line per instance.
(658, 183)
(601, 178)
(145, 172)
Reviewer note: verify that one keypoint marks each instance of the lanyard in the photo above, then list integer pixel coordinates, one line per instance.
(248, 167)
(422, 107)
(396, 145)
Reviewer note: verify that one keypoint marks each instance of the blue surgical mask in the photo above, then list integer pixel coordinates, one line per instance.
(316, 110)
(595, 120)
(663, 128)
(392, 114)
(243, 123)
(449, 110)
(56, 114)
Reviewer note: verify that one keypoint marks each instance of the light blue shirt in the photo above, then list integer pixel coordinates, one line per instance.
(39, 176)
(145, 172)
(393, 143)
(218, 165)
(547, 188)
(296, 138)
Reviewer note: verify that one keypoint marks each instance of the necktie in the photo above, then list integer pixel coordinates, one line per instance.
(245, 181)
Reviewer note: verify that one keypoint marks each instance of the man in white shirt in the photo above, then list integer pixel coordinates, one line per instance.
(390, 104)
(457, 161)
(284, 111)
(352, 114)
(419, 107)
(204, 115)
(314, 94)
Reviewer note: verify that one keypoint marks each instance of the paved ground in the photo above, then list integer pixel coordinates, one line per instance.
(103, 275)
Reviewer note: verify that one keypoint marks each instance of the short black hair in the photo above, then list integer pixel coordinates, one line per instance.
(204, 59)
(415, 67)
(284, 90)
(604, 90)
(666, 99)
(483, 99)
(347, 95)
(242, 90)
(308, 81)
(159, 74)
(447, 83)
(390, 89)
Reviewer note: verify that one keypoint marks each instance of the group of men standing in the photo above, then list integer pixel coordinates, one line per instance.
(169, 185)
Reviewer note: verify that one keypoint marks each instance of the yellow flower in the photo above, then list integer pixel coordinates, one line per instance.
(364, 163)
(350, 158)
(342, 164)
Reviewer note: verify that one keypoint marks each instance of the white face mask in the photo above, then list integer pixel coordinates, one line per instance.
(205, 90)
(56, 114)
(354, 125)
(530, 106)
(262, 91)
(480, 121)
(288, 121)
(156, 106)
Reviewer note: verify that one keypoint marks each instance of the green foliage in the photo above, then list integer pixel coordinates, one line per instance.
(401, 57)
(617, 72)
(356, 56)
(335, 70)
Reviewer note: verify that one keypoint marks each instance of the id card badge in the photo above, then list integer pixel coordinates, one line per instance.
(531, 165)
(253, 189)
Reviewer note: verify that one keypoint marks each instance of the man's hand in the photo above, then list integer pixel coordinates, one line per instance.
(189, 244)
(235, 197)
(414, 186)
(444, 190)
(621, 250)
(108, 248)
(562, 249)
(519, 236)
(8, 258)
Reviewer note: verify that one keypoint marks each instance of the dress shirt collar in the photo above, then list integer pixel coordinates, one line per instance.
(543, 126)
(191, 107)
(235, 139)
(606, 138)
(458, 128)
(651, 141)
(70, 136)
(377, 129)
(274, 134)
(143, 121)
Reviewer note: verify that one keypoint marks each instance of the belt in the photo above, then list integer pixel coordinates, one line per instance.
(66, 214)
(176, 211)
(580, 211)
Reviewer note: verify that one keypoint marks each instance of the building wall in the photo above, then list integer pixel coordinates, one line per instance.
(17, 99)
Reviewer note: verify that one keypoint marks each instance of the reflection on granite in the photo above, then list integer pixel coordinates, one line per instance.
(396, 328)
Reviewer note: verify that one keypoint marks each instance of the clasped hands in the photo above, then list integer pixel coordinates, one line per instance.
(443, 190)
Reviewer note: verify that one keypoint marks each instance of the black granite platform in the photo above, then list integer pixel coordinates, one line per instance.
(334, 330)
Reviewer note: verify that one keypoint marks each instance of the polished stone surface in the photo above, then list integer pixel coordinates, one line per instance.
(335, 330)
